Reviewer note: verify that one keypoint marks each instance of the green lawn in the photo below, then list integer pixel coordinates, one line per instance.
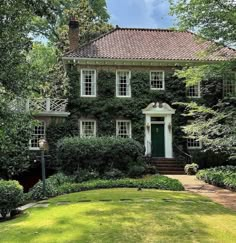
(148, 216)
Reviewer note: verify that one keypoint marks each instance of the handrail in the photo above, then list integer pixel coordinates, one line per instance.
(46, 105)
(184, 153)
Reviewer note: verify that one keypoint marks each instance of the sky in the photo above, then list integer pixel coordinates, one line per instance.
(140, 13)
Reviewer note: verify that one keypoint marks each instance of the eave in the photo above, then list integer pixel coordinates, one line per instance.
(135, 62)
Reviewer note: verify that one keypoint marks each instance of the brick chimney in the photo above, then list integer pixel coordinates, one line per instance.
(73, 34)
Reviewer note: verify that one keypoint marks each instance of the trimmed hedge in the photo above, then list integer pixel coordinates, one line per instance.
(98, 153)
(54, 189)
(11, 196)
(222, 176)
(155, 182)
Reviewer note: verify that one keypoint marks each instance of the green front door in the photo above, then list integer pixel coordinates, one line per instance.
(158, 141)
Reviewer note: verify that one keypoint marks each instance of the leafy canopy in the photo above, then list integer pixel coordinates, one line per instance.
(215, 20)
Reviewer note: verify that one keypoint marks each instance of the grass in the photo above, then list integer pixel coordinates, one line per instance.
(131, 216)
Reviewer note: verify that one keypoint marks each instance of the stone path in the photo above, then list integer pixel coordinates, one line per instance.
(217, 194)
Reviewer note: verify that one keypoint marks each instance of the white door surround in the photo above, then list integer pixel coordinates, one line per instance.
(159, 110)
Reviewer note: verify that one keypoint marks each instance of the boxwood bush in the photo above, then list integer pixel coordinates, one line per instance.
(155, 182)
(68, 185)
(52, 184)
(11, 196)
(98, 153)
(223, 176)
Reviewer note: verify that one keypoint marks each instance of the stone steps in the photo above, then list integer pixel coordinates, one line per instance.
(168, 166)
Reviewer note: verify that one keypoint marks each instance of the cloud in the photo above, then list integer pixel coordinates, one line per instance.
(140, 13)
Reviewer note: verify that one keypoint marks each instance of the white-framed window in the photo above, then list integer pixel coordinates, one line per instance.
(88, 128)
(88, 83)
(193, 143)
(194, 91)
(123, 128)
(39, 132)
(157, 80)
(123, 86)
(229, 85)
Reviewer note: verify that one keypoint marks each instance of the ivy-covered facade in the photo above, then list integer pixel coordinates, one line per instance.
(99, 114)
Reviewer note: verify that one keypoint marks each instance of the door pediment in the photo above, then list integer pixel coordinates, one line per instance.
(158, 108)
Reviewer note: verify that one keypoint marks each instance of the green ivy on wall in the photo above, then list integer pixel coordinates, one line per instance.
(106, 108)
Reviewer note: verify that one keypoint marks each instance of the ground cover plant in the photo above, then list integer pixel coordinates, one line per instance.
(123, 215)
(66, 185)
(223, 176)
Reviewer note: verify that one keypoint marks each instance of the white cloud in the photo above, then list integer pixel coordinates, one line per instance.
(139, 13)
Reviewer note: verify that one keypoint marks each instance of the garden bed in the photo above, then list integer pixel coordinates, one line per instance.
(61, 184)
(222, 176)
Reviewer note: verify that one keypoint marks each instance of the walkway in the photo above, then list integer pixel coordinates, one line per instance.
(217, 194)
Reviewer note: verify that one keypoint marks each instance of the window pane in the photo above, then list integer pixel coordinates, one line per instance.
(230, 85)
(157, 119)
(193, 91)
(88, 83)
(38, 133)
(193, 143)
(123, 129)
(123, 83)
(88, 128)
(157, 80)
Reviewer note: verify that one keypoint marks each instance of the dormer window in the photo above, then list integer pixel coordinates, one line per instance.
(123, 87)
(157, 80)
(194, 91)
(88, 83)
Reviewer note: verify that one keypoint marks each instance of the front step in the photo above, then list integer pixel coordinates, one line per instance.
(168, 166)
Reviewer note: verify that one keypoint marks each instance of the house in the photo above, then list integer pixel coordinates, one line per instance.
(123, 84)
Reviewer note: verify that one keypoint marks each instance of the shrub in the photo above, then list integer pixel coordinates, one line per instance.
(136, 171)
(155, 182)
(85, 175)
(11, 196)
(223, 176)
(60, 178)
(36, 192)
(113, 174)
(98, 153)
(52, 183)
(191, 169)
(151, 169)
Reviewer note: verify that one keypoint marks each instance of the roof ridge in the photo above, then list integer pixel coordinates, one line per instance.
(150, 29)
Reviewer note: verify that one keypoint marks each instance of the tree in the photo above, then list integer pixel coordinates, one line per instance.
(93, 21)
(213, 19)
(215, 126)
(91, 14)
(15, 78)
(48, 77)
(91, 25)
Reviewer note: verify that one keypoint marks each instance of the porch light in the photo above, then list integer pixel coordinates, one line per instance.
(170, 127)
(42, 144)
